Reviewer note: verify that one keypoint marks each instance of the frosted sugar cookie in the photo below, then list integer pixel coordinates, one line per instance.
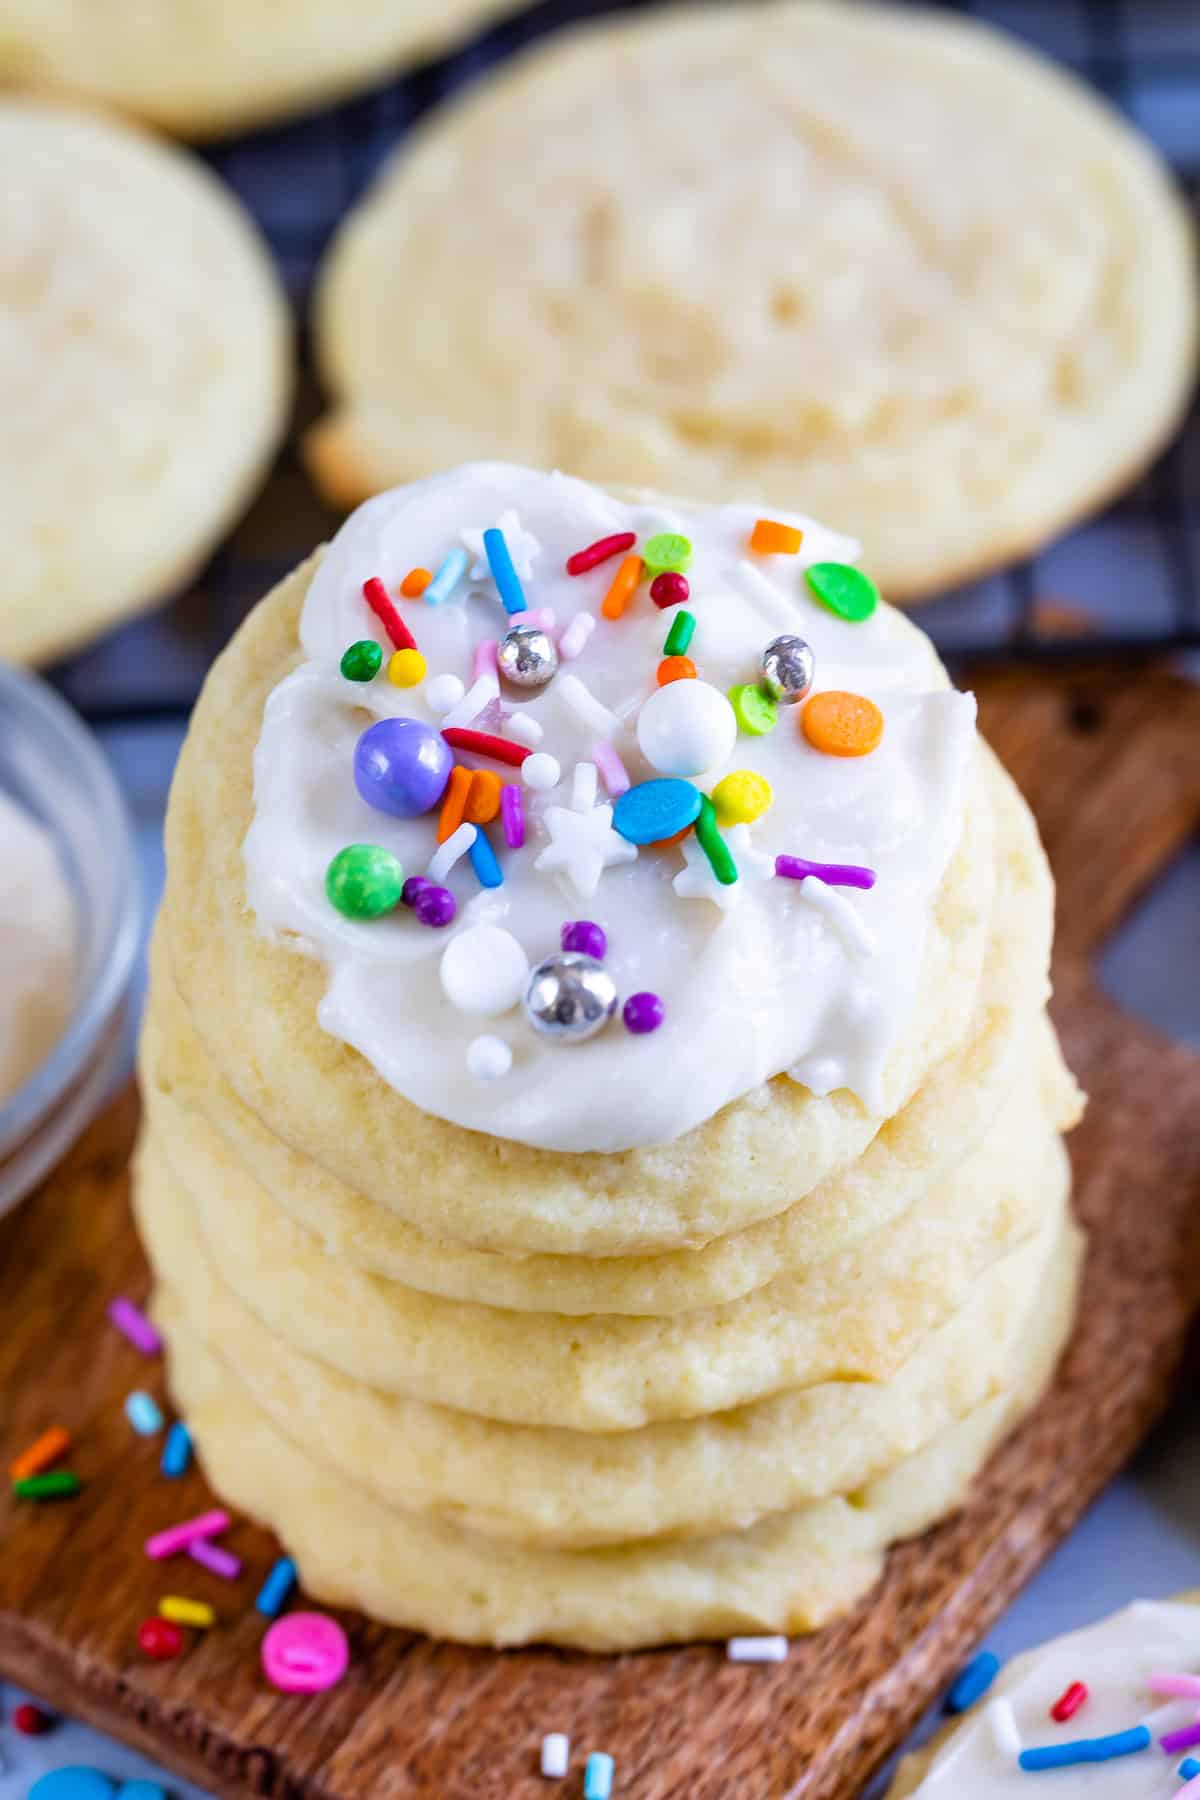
(144, 371)
(792, 300)
(203, 67)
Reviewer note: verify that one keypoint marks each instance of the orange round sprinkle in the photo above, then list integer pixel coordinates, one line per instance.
(455, 800)
(483, 797)
(676, 837)
(770, 538)
(623, 584)
(676, 668)
(415, 583)
(842, 724)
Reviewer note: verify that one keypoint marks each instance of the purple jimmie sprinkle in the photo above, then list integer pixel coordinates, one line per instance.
(1183, 1739)
(796, 868)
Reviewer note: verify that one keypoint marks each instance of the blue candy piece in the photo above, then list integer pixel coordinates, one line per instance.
(1085, 1750)
(142, 1790)
(276, 1588)
(654, 810)
(483, 861)
(973, 1681)
(75, 1783)
(401, 767)
(177, 1451)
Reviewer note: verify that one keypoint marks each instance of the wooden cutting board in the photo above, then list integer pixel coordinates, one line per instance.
(1112, 765)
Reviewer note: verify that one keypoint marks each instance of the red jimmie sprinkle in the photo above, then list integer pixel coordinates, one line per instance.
(1069, 1703)
(376, 597)
(600, 551)
(31, 1721)
(484, 744)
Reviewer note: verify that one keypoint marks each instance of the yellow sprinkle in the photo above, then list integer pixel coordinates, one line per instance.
(742, 797)
(406, 668)
(186, 1612)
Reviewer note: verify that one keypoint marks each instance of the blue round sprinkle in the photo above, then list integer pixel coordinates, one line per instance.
(654, 810)
(75, 1783)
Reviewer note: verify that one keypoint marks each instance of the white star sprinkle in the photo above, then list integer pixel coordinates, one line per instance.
(582, 845)
(697, 881)
(523, 547)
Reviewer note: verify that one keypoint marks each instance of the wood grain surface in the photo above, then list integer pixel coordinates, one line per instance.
(1112, 765)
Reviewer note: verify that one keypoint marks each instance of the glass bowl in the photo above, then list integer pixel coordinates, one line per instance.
(52, 765)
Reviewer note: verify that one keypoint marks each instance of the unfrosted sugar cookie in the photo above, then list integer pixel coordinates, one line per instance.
(204, 67)
(144, 371)
(884, 258)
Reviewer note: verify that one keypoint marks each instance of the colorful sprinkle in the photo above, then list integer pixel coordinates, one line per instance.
(376, 597)
(436, 906)
(741, 797)
(181, 1611)
(1069, 1702)
(454, 802)
(667, 551)
(754, 708)
(500, 562)
(798, 868)
(488, 1058)
(447, 854)
(273, 1594)
(176, 1538)
(364, 881)
(757, 1649)
(1189, 1768)
(483, 861)
(484, 661)
(720, 858)
(512, 815)
(31, 1721)
(556, 1746)
(540, 618)
(585, 936)
(1186, 1687)
(598, 1776)
(585, 706)
(217, 1561)
(652, 811)
(55, 1484)
(143, 1413)
(846, 591)
(78, 1782)
(177, 1451)
(574, 639)
(675, 668)
(771, 538)
(443, 693)
(670, 589)
(406, 668)
(483, 743)
(972, 1682)
(450, 572)
(840, 724)
(132, 1323)
(1186, 1738)
(160, 1639)
(401, 767)
(683, 630)
(362, 661)
(643, 1013)
(305, 1653)
(541, 771)
(483, 691)
(601, 551)
(1085, 1750)
(49, 1448)
(415, 583)
(483, 797)
(622, 589)
(613, 772)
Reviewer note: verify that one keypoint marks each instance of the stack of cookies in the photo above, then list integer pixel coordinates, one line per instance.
(602, 1161)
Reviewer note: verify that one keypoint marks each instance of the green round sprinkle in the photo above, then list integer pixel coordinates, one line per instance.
(720, 858)
(844, 590)
(362, 661)
(667, 551)
(364, 881)
(683, 629)
(756, 712)
(56, 1484)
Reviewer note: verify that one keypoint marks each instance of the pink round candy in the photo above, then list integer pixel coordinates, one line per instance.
(305, 1653)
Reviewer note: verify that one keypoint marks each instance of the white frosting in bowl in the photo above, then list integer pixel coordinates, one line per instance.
(766, 976)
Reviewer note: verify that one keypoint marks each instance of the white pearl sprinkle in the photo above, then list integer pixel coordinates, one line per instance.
(541, 771)
(556, 1754)
(488, 1058)
(484, 970)
(442, 692)
(757, 1649)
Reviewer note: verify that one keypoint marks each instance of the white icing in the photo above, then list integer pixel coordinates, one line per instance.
(1114, 1658)
(37, 947)
(778, 980)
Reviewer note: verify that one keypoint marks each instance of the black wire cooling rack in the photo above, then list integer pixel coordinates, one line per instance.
(1126, 583)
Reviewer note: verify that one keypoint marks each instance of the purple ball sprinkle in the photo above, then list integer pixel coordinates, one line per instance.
(586, 937)
(796, 868)
(435, 906)
(643, 1013)
(401, 767)
(413, 888)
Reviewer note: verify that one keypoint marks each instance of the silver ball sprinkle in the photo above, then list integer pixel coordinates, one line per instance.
(570, 997)
(788, 665)
(526, 656)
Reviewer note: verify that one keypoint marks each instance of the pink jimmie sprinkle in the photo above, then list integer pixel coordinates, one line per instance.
(178, 1537)
(1191, 1791)
(542, 618)
(1183, 1739)
(796, 868)
(132, 1323)
(485, 659)
(1185, 1686)
(512, 814)
(217, 1561)
(574, 639)
(612, 769)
